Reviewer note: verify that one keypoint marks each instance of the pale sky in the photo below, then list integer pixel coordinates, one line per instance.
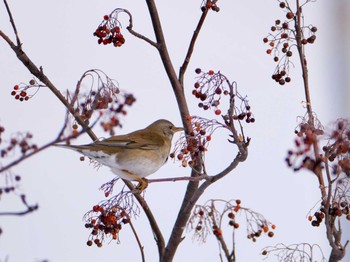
(58, 36)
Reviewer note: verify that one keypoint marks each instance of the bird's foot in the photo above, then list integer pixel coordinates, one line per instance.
(143, 184)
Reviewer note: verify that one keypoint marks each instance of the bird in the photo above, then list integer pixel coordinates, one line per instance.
(133, 156)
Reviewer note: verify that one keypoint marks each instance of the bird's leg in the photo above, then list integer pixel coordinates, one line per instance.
(143, 182)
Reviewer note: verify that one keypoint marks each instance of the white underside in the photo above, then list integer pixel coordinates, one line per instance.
(142, 167)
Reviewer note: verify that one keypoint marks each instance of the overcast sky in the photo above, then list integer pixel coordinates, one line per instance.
(58, 36)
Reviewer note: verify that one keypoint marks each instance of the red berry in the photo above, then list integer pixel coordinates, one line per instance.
(105, 17)
(13, 93)
(16, 87)
(289, 15)
(231, 215)
(180, 156)
(218, 90)
(210, 72)
(217, 112)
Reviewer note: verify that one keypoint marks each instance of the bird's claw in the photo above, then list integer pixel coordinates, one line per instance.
(142, 185)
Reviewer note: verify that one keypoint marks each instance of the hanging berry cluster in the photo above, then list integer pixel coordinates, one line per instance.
(210, 87)
(336, 159)
(284, 35)
(340, 205)
(108, 32)
(9, 183)
(105, 223)
(19, 141)
(337, 150)
(104, 98)
(107, 218)
(209, 4)
(301, 156)
(295, 252)
(208, 218)
(21, 91)
(189, 147)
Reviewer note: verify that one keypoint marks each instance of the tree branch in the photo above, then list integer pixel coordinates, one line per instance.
(191, 46)
(43, 78)
(27, 62)
(138, 35)
(12, 21)
(138, 241)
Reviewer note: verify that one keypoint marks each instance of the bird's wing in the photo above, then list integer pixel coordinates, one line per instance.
(133, 141)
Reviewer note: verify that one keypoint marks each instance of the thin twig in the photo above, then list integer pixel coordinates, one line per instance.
(12, 21)
(304, 69)
(138, 241)
(155, 228)
(191, 46)
(184, 178)
(136, 34)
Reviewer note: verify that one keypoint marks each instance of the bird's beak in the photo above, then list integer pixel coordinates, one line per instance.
(177, 129)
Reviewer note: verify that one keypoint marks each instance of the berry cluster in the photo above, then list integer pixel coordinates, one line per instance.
(208, 218)
(338, 148)
(196, 143)
(256, 223)
(208, 4)
(105, 223)
(19, 140)
(283, 37)
(20, 92)
(103, 98)
(113, 120)
(108, 32)
(301, 157)
(209, 88)
(245, 114)
(295, 252)
(337, 209)
(10, 184)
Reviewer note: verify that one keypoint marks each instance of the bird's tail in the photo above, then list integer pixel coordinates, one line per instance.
(72, 147)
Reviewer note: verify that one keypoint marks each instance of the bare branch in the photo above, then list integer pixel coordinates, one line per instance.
(30, 208)
(138, 35)
(138, 241)
(12, 23)
(174, 179)
(158, 236)
(44, 79)
(191, 46)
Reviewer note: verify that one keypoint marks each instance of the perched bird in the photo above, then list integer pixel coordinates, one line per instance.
(135, 155)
